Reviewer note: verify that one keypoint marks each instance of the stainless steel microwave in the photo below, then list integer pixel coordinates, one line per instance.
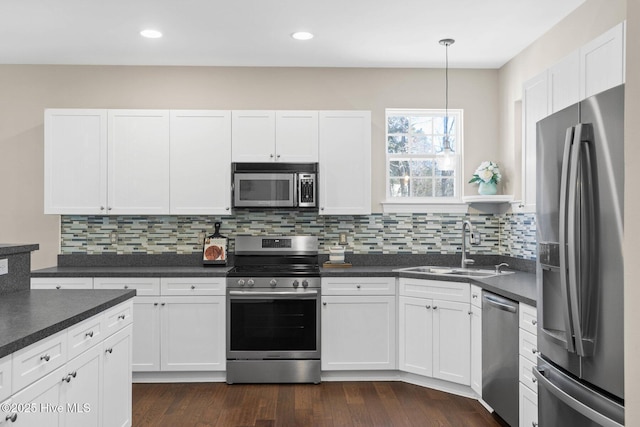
(275, 185)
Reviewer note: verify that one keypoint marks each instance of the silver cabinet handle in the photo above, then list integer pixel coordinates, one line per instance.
(12, 417)
(122, 317)
(67, 378)
(73, 374)
(109, 350)
(89, 334)
(45, 357)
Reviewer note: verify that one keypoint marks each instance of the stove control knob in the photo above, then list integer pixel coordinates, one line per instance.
(241, 282)
(273, 282)
(305, 283)
(250, 282)
(296, 284)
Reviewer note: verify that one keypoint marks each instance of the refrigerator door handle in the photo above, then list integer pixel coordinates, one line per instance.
(572, 402)
(564, 285)
(580, 208)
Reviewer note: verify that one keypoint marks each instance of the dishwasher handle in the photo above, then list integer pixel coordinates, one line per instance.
(500, 303)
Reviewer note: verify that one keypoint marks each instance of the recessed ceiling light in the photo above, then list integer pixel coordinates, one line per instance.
(151, 34)
(302, 35)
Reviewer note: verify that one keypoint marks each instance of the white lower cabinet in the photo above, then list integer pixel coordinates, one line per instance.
(528, 407)
(435, 334)
(358, 324)
(528, 358)
(179, 334)
(116, 379)
(82, 389)
(39, 402)
(476, 349)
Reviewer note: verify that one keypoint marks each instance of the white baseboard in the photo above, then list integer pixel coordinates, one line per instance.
(179, 377)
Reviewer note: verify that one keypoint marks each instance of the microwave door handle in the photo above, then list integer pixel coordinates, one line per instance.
(564, 286)
(580, 208)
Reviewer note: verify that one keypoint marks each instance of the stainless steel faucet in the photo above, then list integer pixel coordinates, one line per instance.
(467, 224)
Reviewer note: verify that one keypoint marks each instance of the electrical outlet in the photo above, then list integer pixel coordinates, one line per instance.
(114, 238)
(201, 236)
(4, 266)
(343, 239)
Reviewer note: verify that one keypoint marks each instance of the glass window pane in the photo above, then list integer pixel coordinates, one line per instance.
(397, 144)
(443, 173)
(399, 187)
(422, 168)
(422, 144)
(398, 124)
(438, 125)
(421, 125)
(422, 187)
(451, 124)
(444, 187)
(399, 168)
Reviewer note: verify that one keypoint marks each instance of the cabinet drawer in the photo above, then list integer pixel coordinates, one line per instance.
(528, 318)
(37, 360)
(359, 286)
(61, 283)
(85, 335)
(528, 345)
(526, 375)
(435, 289)
(5, 377)
(118, 317)
(193, 286)
(143, 285)
(476, 296)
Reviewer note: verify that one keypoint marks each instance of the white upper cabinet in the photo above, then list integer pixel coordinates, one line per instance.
(534, 107)
(75, 162)
(345, 163)
(563, 83)
(275, 136)
(200, 171)
(602, 62)
(138, 163)
(297, 136)
(253, 136)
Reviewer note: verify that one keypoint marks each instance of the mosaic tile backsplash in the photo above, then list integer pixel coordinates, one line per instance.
(505, 234)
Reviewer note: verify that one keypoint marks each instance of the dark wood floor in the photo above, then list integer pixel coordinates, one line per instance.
(333, 404)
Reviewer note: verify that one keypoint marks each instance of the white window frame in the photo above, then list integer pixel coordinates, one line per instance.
(426, 204)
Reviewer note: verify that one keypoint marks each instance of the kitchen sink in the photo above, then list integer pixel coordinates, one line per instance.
(455, 272)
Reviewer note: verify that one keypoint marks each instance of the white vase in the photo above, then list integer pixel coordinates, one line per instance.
(487, 188)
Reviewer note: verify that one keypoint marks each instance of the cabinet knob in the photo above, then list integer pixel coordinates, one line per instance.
(73, 374)
(474, 296)
(67, 378)
(227, 208)
(109, 350)
(101, 208)
(163, 304)
(58, 286)
(122, 317)
(278, 156)
(109, 208)
(12, 417)
(45, 357)
(358, 286)
(271, 156)
(534, 380)
(89, 334)
(428, 307)
(534, 350)
(126, 286)
(324, 303)
(435, 307)
(534, 424)
(193, 286)
(469, 313)
(155, 303)
(534, 322)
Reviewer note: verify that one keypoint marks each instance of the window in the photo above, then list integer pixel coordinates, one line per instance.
(414, 152)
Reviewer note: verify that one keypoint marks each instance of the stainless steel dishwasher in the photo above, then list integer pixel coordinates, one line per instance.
(500, 355)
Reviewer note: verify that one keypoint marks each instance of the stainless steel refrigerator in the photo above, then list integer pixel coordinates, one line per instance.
(579, 208)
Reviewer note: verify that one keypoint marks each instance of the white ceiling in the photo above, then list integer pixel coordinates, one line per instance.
(348, 33)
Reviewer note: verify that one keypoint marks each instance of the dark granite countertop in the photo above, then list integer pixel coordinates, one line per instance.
(9, 249)
(165, 271)
(30, 316)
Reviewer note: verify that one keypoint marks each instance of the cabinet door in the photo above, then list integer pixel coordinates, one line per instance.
(193, 333)
(358, 332)
(82, 389)
(138, 166)
(345, 163)
(528, 407)
(564, 82)
(297, 136)
(476, 349)
(452, 341)
(146, 334)
(42, 398)
(253, 136)
(200, 160)
(75, 162)
(602, 62)
(534, 107)
(116, 399)
(416, 335)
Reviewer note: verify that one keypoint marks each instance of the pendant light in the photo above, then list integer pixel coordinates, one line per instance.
(447, 158)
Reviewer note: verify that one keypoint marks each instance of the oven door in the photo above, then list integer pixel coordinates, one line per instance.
(273, 324)
(264, 190)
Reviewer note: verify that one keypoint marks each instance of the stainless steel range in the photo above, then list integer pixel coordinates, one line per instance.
(273, 311)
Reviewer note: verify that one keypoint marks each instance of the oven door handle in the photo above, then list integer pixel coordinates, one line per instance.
(305, 294)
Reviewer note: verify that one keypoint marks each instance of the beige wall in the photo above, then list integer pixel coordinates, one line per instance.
(591, 19)
(632, 226)
(28, 90)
